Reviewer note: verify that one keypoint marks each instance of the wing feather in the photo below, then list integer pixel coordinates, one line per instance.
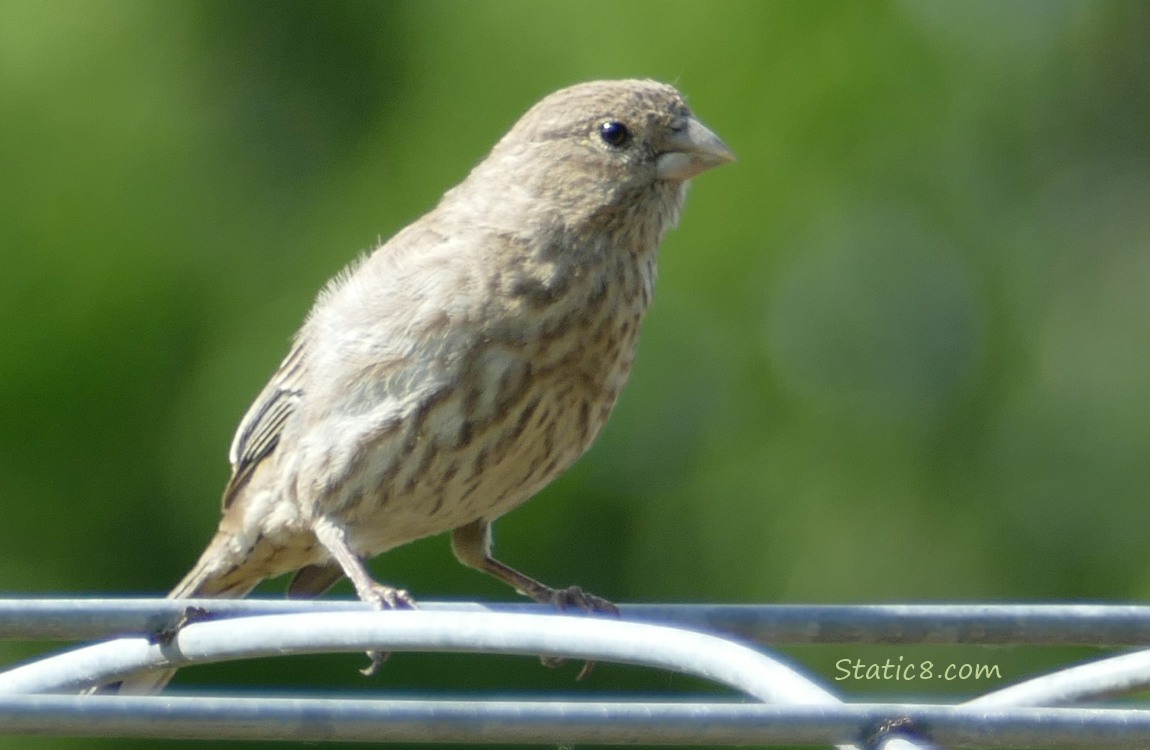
(260, 430)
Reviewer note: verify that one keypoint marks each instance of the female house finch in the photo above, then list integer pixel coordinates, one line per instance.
(448, 376)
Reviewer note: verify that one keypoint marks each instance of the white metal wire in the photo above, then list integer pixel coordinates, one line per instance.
(756, 674)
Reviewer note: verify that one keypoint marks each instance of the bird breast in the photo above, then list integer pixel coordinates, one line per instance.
(499, 407)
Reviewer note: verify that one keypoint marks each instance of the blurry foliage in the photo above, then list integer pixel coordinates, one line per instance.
(899, 350)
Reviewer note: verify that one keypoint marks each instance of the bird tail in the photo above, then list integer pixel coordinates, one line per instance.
(217, 575)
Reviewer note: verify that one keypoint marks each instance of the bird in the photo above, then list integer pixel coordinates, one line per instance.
(447, 376)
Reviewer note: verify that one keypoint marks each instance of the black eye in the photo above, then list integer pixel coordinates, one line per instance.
(614, 133)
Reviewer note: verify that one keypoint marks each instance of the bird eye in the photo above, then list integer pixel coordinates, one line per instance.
(614, 133)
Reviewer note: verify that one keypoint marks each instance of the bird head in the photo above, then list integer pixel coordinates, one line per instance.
(598, 152)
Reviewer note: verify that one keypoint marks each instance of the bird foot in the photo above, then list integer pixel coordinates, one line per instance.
(574, 597)
(382, 597)
(568, 599)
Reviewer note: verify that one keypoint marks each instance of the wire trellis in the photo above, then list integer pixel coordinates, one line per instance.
(725, 644)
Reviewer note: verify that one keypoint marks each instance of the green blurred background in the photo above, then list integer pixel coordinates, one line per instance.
(898, 351)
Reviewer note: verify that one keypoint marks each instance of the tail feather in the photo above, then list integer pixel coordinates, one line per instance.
(213, 576)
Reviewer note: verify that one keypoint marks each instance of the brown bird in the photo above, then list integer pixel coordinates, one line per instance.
(455, 371)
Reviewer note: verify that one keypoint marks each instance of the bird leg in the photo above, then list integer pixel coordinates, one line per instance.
(572, 597)
(472, 547)
(379, 595)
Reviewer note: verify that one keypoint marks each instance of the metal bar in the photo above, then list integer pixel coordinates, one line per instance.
(1014, 624)
(933, 624)
(478, 722)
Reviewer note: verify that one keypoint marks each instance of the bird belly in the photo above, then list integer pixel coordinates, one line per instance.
(516, 416)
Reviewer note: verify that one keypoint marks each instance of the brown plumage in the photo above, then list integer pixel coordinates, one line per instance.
(452, 373)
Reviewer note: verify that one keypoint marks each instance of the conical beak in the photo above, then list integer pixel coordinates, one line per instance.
(690, 148)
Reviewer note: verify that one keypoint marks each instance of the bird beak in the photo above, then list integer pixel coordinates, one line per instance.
(690, 148)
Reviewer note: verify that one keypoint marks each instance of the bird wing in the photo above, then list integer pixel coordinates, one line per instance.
(354, 320)
(259, 432)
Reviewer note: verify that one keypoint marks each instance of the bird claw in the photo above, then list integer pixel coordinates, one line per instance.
(377, 660)
(574, 597)
(571, 598)
(383, 597)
